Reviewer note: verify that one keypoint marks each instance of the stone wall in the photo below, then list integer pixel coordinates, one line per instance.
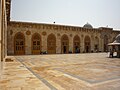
(28, 29)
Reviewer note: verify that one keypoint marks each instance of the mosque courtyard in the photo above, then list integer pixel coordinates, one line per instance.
(91, 71)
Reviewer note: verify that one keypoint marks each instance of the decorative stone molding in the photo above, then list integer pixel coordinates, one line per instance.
(28, 32)
(48, 27)
(55, 27)
(105, 34)
(44, 33)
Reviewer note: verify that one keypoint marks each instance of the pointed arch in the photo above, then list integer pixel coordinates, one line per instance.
(87, 43)
(76, 44)
(51, 44)
(36, 43)
(19, 44)
(64, 44)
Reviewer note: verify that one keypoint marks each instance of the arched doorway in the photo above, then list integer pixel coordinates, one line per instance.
(51, 44)
(19, 44)
(96, 47)
(87, 44)
(76, 44)
(36, 44)
(105, 43)
(64, 44)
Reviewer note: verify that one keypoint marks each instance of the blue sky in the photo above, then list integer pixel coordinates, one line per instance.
(99, 13)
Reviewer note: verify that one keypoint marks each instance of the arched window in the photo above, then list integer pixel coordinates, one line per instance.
(64, 44)
(87, 44)
(76, 44)
(19, 44)
(51, 44)
(36, 43)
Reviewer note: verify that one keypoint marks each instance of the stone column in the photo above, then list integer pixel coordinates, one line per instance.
(44, 42)
(58, 44)
(100, 45)
(3, 26)
(92, 43)
(0, 33)
(28, 42)
(82, 44)
(71, 43)
(5, 31)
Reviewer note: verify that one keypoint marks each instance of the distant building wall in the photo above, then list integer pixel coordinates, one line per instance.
(28, 29)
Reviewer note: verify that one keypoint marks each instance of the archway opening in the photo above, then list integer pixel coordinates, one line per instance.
(19, 44)
(76, 44)
(65, 44)
(51, 44)
(36, 44)
(87, 44)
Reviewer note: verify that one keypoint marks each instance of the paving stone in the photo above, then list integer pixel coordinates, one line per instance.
(62, 72)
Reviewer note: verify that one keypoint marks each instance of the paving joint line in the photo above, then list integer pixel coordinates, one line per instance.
(89, 81)
(37, 75)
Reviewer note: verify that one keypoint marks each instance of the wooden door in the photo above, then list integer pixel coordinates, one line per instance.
(36, 44)
(19, 44)
(51, 44)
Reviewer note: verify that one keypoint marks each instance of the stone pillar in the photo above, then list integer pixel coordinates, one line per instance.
(58, 44)
(92, 43)
(82, 44)
(44, 43)
(71, 43)
(3, 27)
(5, 31)
(100, 45)
(28, 43)
(0, 34)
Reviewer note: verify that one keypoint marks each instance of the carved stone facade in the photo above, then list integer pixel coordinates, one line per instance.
(59, 38)
(36, 38)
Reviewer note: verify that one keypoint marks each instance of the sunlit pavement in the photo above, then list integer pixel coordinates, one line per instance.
(93, 71)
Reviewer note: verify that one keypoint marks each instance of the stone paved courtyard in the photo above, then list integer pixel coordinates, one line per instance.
(93, 71)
